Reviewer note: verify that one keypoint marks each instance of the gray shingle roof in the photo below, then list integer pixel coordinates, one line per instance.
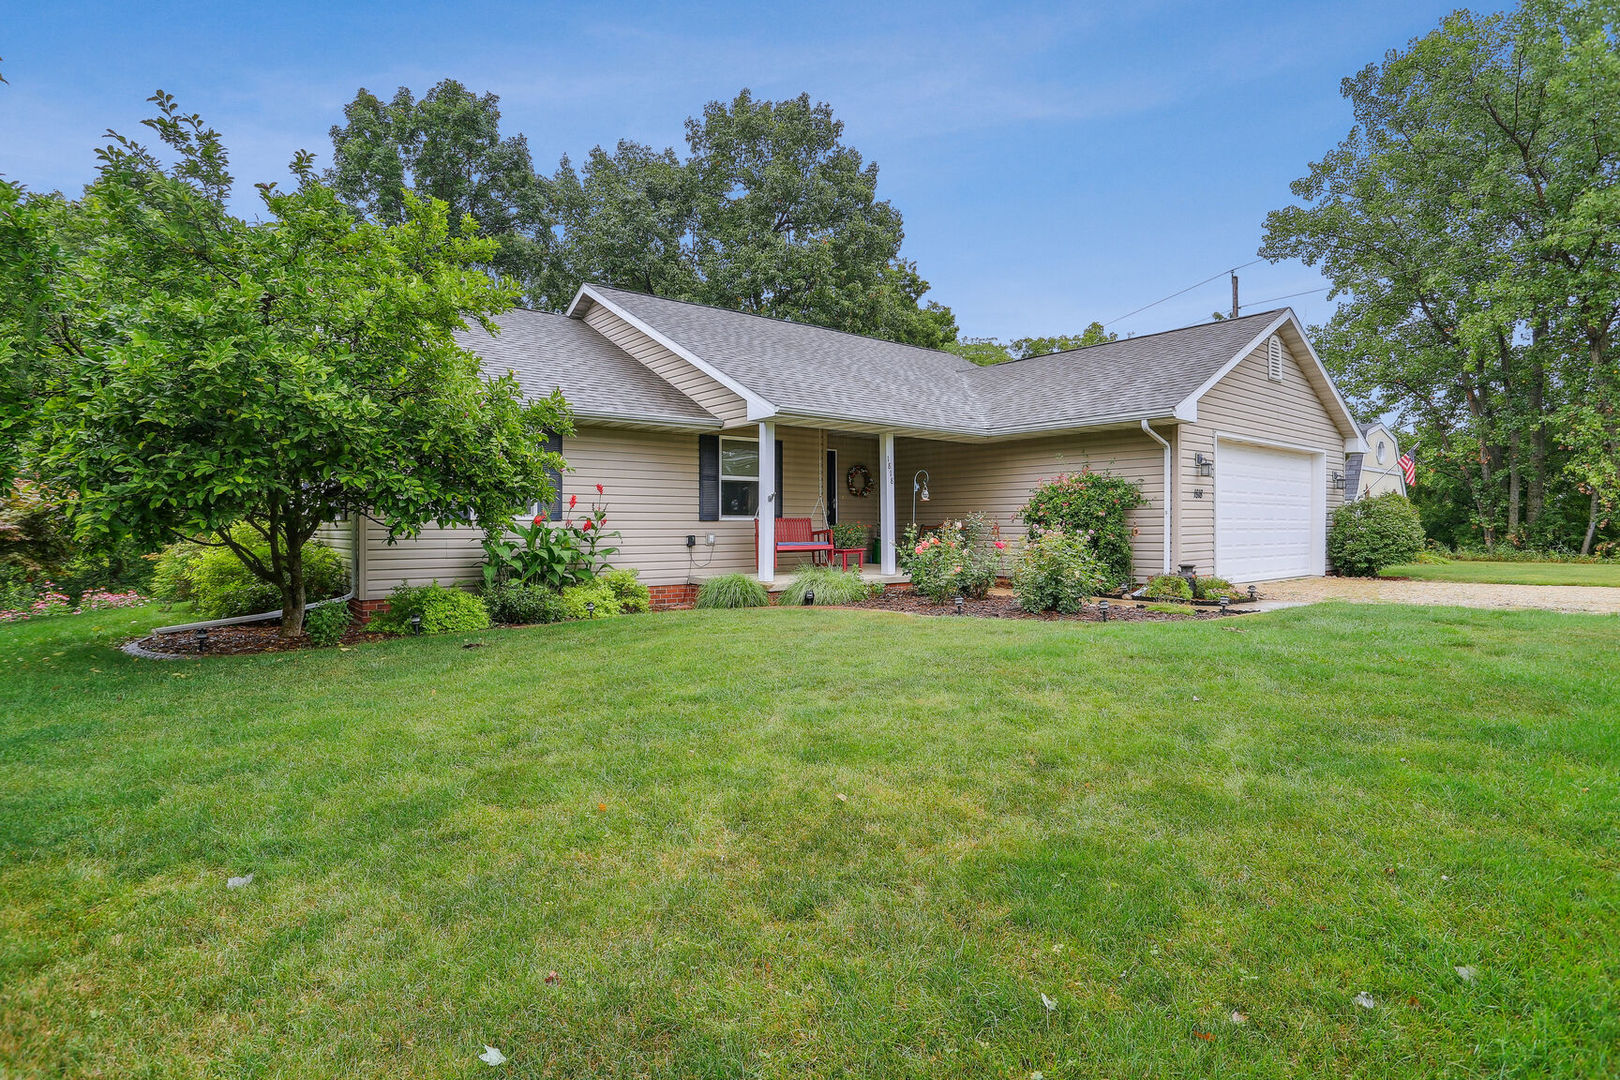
(811, 371)
(547, 352)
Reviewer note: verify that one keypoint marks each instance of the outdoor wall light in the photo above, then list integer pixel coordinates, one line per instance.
(416, 624)
(1336, 480)
(1204, 464)
(919, 490)
(1102, 606)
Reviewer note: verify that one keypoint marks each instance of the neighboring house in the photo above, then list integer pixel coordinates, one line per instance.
(693, 418)
(1378, 469)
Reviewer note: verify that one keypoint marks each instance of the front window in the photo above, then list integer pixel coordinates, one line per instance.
(739, 477)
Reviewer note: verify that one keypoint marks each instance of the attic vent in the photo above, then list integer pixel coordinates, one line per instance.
(1274, 356)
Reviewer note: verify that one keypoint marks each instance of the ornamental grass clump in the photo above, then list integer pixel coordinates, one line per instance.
(1056, 572)
(1093, 506)
(829, 586)
(961, 559)
(732, 591)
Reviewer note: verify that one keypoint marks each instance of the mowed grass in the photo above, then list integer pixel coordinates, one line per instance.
(818, 843)
(1511, 573)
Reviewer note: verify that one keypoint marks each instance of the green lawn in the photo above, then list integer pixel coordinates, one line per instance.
(1512, 573)
(819, 843)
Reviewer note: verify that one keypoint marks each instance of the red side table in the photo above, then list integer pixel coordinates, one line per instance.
(845, 554)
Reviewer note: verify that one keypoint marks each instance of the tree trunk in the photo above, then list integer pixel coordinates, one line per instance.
(1536, 496)
(1591, 525)
(1513, 487)
(292, 590)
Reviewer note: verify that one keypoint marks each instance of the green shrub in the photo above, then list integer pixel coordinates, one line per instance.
(1168, 587)
(443, 611)
(171, 582)
(1056, 572)
(850, 534)
(830, 586)
(634, 597)
(732, 591)
(1370, 534)
(523, 605)
(597, 592)
(1092, 506)
(325, 625)
(961, 558)
(222, 588)
(1213, 588)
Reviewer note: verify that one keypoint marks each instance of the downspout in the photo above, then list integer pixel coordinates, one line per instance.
(1156, 437)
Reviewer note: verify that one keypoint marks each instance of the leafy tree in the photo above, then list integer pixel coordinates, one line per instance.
(628, 219)
(194, 370)
(1471, 218)
(448, 146)
(986, 351)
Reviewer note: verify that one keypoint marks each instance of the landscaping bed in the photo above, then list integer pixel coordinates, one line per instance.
(242, 640)
(1007, 607)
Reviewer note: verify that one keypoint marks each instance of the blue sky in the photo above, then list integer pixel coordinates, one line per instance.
(1055, 163)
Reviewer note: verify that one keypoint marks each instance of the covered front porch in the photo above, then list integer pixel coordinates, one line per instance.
(888, 480)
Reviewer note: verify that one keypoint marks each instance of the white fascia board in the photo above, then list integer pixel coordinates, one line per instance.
(1189, 404)
(758, 407)
(1355, 444)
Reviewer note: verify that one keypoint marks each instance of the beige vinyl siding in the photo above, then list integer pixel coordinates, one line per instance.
(701, 388)
(1379, 479)
(651, 494)
(1246, 404)
(856, 450)
(997, 477)
(339, 536)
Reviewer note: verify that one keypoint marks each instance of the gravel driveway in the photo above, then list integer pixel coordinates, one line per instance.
(1462, 594)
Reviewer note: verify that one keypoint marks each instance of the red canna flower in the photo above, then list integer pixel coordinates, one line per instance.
(573, 501)
(586, 527)
(599, 489)
(536, 520)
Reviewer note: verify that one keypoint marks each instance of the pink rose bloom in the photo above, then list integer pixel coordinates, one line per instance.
(1001, 545)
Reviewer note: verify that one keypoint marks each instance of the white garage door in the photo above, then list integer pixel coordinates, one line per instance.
(1264, 513)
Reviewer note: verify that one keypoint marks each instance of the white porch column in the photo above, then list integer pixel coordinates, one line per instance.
(767, 500)
(886, 503)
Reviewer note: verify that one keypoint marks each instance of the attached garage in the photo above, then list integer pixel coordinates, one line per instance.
(1270, 512)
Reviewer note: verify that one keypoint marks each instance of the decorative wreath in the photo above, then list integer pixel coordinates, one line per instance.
(858, 480)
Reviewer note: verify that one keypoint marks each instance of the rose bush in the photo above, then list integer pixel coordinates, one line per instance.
(1091, 506)
(960, 559)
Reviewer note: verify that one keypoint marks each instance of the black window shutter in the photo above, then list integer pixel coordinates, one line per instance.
(554, 444)
(708, 478)
(779, 499)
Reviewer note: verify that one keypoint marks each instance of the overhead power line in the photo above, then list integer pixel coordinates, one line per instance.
(1178, 292)
(1289, 296)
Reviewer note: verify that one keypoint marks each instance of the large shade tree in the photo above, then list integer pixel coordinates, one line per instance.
(193, 371)
(1471, 220)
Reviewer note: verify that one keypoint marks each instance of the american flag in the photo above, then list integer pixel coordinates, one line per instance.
(1408, 467)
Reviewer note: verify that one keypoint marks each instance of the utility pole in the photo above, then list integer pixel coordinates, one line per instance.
(1234, 295)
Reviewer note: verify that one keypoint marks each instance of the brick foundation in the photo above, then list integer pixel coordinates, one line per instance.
(670, 597)
(363, 610)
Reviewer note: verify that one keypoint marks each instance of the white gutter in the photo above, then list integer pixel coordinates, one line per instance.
(1156, 437)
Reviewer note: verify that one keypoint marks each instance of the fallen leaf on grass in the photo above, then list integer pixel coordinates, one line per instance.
(842, 797)
(1239, 1017)
(552, 978)
(492, 1056)
(1206, 1036)
(1467, 973)
(239, 882)
(1366, 1000)
(601, 808)
(1051, 1006)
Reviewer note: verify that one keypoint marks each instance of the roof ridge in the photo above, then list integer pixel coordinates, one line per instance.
(777, 319)
(1135, 337)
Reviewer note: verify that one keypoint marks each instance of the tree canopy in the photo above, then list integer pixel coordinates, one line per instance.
(192, 370)
(991, 351)
(1471, 220)
(768, 211)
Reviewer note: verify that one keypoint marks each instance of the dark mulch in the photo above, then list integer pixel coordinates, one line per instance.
(1006, 607)
(240, 640)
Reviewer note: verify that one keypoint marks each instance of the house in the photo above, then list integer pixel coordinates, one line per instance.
(694, 419)
(1378, 469)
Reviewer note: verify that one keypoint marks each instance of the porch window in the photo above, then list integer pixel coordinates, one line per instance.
(739, 477)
